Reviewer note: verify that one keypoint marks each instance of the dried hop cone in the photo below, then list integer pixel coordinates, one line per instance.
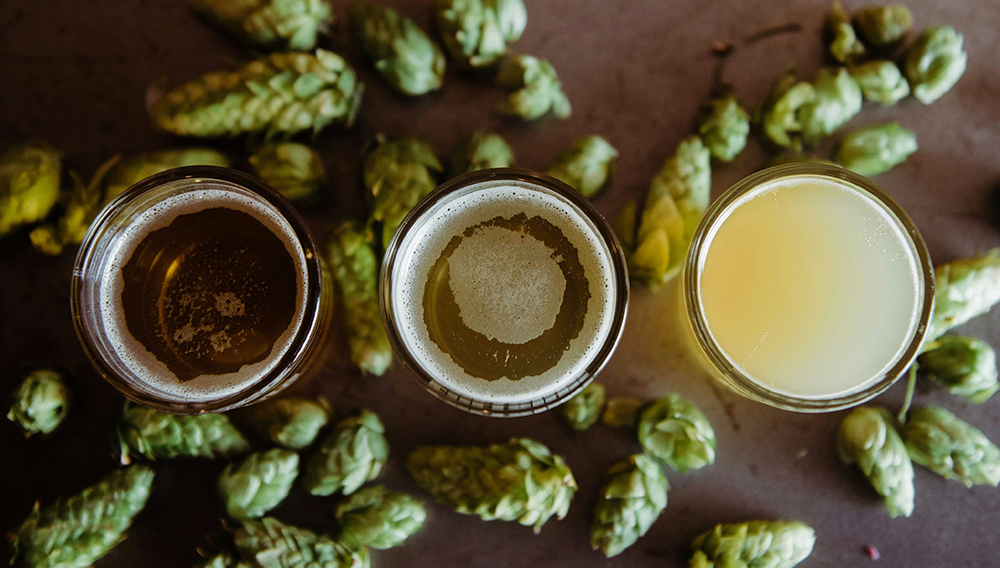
(935, 62)
(406, 57)
(40, 402)
(353, 453)
(876, 149)
(837, 100)
(966, 366)
(884, 26)
(481, 151)
(533, 89)
(258, 483)
(155, 435)
(843, 43)
(583, 410)
(629, 504)
(676, 432)
(868, 439)
(753, 544)
(292, 423)
(724, 127)
(269, 543)
(29, 184)
(379, 518)
(269, 24)
(950, 447)
(587, 165)
(476, 32)
(881, 82)
(964, 288)
(779, 115)
(294, 170)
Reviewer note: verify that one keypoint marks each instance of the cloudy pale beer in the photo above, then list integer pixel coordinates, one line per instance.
(504, 293)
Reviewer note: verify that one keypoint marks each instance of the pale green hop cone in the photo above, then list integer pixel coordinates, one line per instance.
(753, 544)
(481, 151)
(677, 433)
(29, 184)
(156, 435)
(964, 288)
(724, 127)
(294, 170)
(837, 100)
(629, 504)
(842, 41)
(583, 410)
(587, 165)
(476, 32)
(966, 366)
(884, 26)
(269, 24)
(533, 89)
(258, 483)
(292, 423)
(881, 82)
(81, 204)
(353, 453)
(378, 518)
(935, 62)
(269, 543)
(133, 169)
(779, 115)
(950, 447)
(876, 149)
(404, 56)
(41, 402)
(868, 439)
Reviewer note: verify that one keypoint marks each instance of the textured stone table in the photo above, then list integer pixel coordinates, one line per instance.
(75, 74)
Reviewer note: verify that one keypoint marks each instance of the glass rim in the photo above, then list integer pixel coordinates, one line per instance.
(741, 381)
(584, 377)
(284, 368)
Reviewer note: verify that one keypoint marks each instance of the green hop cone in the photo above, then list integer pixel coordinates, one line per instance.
(677, 199)
(292, 423)
(533, 89)
(294, 170)
(583, 410)
(950, 447)
(724, 127)
(481, 151)
(353, 453)
(355, 268)
(476, 32)
(258, 483)
(621, 412)
(676, 432)
(269, 543)
(629, 504)
(78, 531)
(966, 366)
(837, 100)
(156, 435)
(397, 172)
(29, 184)
(779, 115)
(876, 149)
(40, 403)
(587, 165)
(935, 62)
(269, 24)
(80, 206)
(842, 41)
(406, 57)
(881, 82)
(753, 544)
(379, 518)
(884, 26)
(283, 93)
(131, 170)
(964, 288)
(521, 480)
(224, 560)
(868, 439)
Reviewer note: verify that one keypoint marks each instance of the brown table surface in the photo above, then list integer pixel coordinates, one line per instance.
(76, 73)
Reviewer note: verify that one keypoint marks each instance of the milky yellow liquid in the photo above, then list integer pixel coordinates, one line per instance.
(809, 287)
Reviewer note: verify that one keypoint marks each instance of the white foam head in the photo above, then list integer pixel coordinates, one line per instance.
(493, 294)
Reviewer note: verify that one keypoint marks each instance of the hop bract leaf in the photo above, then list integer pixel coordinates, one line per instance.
(587, 165)
(843, 42)
(131, 170)
(76, 532)
(40, 402)
(724, 127)
(397, 172)
(533, 89)
(950, 447)
(156, 435)
(881, 82)
(355, 269)
(353, 453)
(966, 366)
(406, 58)
(935, 62)
(481, 151)
(876, 149)
(583, 410)
(269, 24)
(294, 170)
(868, 439)
(676, 432)
(884, 26)
(476, 32)
(779, 115)
(29, 184)
(630, 502)
(284, 93)
(258, 483)
(269, 543)
(521, 480)
(292, 423)
(964, 288)
(379, 518)
(753, 544)
(837, 100)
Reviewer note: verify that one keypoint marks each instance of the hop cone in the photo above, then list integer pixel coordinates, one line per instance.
(587, 165)
(621, 412)
(291, 423)
(481, 151)
(675, 432)
(284, 93)
(518, 481)
(406, 58)
(844, 44)
(583, 410)
(935, 62)
(966, 366)
(951, 448)
(355, 268)
(779, 115)
(883, 26)
(965, 288)
(40, 403)
(76, 532)
(476, 32)
(224, 560)
(533, 89)
(155, 435)
(397, 173)
(80, 206)
(352, 454)
(876, 149)
(294, 170)
(29, 184)
(379, 518)
(881, 82)
(632, 500)
(868, 439)
(133, 169)
(837, 100)
(269, 24)
(259, 483)
(269, 543)
(753, 544)
(724, 128)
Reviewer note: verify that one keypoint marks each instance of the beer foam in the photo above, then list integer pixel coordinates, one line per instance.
(147, 372)
(495, 298)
